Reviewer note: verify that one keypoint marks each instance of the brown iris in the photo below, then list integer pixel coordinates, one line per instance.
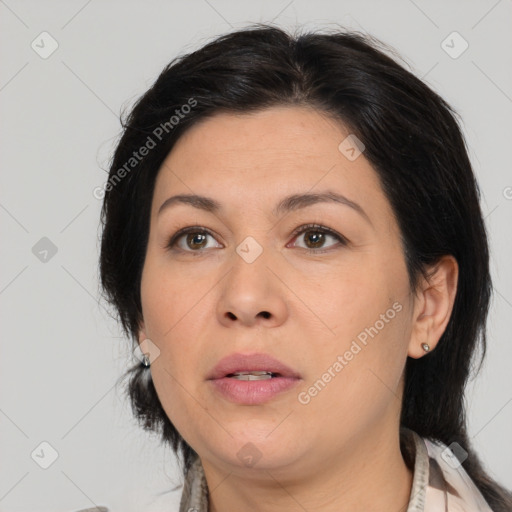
(319, 238)
(194, 236)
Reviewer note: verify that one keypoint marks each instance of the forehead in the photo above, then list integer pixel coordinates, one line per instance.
(255, 159)
(279, 133)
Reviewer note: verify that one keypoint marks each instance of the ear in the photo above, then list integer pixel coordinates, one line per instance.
(433, 305)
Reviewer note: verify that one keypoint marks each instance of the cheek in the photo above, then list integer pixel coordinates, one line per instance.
(366, 381)
(178, 307)
(350, 298)
(168, 301)
(367, 347)
(167, 297)
(180, 401)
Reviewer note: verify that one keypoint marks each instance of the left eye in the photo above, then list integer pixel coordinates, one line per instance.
(315, 237)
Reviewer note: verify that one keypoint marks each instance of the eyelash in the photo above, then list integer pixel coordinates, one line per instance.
(300, 230)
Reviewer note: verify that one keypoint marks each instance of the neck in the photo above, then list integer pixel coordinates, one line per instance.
(370, 474)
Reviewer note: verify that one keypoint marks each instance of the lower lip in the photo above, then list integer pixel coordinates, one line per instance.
(253, 392)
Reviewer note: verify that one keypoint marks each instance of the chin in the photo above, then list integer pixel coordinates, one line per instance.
(259, 452)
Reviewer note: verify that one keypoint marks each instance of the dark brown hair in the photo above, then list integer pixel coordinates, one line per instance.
(414, 143)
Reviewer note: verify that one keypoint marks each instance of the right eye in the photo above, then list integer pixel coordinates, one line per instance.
(193, 237)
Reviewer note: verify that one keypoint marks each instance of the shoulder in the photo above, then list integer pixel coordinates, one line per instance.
(442, 480)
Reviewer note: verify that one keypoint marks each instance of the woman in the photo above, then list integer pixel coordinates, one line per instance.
(292, 237)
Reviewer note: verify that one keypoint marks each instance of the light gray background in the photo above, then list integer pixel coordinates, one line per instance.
(61, 353)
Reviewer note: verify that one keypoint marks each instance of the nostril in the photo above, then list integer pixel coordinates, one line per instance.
(265, 314)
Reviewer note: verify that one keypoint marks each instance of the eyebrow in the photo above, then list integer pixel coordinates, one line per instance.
(290, 203)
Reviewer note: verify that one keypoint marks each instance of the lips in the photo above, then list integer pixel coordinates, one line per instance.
(256, 390)
(235, 363)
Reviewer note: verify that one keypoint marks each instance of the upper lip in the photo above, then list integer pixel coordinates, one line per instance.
(250, 362)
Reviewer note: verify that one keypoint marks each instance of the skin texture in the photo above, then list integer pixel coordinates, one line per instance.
(340, 450)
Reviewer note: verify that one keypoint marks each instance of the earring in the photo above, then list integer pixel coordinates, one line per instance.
(425, 347)
(145, 360)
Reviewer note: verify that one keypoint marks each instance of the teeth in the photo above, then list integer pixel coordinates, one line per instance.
(257, 375)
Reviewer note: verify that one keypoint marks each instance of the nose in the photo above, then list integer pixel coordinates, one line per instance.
(253, 293)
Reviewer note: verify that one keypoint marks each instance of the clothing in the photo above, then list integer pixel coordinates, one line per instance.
(440, 483)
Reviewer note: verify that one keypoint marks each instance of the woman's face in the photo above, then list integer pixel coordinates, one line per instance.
(337, 311)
